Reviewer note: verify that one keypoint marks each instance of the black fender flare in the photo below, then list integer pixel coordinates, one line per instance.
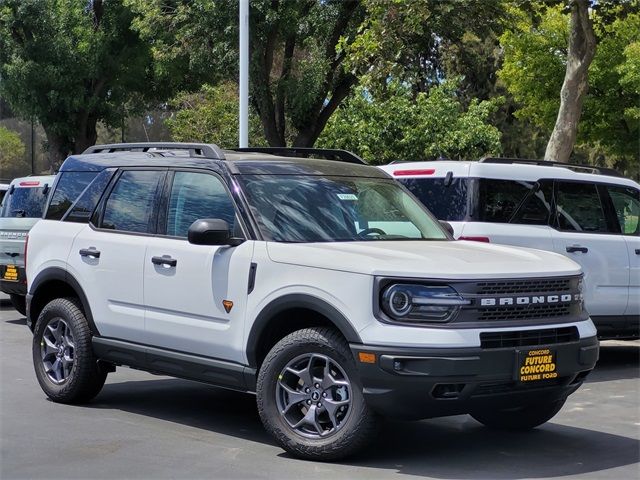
(57, 273)
(291, 301)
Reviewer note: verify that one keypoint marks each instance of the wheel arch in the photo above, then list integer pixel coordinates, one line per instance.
(55, 282)
(275, 321)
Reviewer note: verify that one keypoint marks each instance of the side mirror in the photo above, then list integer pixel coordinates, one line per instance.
(212, 231)
(447, 226)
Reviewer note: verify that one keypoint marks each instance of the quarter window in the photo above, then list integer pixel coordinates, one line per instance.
(579, 209)
(498, 200)
(195, 196)
(69, 187)
(626, 203)
(131, 204)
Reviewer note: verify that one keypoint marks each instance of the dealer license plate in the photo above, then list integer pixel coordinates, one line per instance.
(536, 364)
(11, 273)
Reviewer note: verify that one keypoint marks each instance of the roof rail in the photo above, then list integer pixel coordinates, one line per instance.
(208, 150)
(580, 168)
(326, 153)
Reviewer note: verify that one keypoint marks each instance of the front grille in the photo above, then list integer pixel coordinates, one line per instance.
(526, 338)
(507, 387)
(522, 312)
(524, 286)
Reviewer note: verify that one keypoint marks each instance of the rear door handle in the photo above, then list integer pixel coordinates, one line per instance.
(164, 260)
(89, 252)
(577, 248)
(637, 251)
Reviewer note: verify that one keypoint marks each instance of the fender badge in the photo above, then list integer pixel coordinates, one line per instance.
(228, 305)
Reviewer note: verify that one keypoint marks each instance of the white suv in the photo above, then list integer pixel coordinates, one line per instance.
(321, 286)
(588, 214)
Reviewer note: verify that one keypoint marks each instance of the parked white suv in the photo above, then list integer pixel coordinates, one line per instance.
(320, 285)
(588, 214)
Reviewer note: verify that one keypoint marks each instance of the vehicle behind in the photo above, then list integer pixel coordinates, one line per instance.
(22, 207)
(586, 213)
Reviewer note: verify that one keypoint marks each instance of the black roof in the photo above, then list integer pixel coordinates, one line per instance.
(247, 161)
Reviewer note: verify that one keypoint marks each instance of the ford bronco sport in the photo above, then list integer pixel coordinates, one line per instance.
(320, 285)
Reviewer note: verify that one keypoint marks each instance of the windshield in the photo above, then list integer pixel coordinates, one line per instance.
(336, 209)
(24, 202)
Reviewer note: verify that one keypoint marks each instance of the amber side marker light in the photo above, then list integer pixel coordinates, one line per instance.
(367, 357)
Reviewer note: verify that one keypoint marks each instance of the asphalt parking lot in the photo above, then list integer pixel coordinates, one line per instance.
(145, 426)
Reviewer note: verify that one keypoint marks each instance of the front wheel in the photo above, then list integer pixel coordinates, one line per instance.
(310, 398)
(524, 418)
(63, 358)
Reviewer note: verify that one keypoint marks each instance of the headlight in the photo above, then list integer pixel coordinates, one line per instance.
(421, 303)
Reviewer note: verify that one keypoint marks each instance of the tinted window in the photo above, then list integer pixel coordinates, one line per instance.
(626, 203)
(579, 208)
(24, 202)
(499, 199)
(195, 196)
(445, 202)
(329, 209)
(89, 198)
(537, 207)
(131, 204)
(69, 187)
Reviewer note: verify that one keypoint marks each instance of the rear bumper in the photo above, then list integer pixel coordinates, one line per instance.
(421, 383)
(13, 287)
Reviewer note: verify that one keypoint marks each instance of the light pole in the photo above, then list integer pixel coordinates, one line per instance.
(243, 134)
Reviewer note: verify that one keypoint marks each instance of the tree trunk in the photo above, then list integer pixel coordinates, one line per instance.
(87, 133)
(582, 48)
(59, 147)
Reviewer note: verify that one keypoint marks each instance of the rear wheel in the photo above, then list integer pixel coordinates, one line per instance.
(63, 358)
(310, 398)
(524, 418)
(19, 303)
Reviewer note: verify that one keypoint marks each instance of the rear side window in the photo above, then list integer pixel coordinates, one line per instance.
(132, 202)
(446, 202)
(579, 208)
(626, 203)
(498, 200)
(70, 185)
(24, 202)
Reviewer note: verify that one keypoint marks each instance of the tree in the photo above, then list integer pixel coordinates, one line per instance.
(11, 154)
(535, 52)
(401, 126)
(211, 115)
(70, 64)
(582, 49)
(297, 77)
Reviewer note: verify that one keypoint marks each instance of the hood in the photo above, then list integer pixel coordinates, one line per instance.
(425, 259)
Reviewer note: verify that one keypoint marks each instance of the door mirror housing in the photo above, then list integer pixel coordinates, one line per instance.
(447, 226)
(212, 231)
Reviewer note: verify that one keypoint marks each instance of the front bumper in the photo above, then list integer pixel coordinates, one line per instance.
(13, 282)
(416, 383)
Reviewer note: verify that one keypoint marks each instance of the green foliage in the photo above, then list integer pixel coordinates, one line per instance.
(535, 48)
(11, 154)
(400, 126)
(211, 115)
(70, 64)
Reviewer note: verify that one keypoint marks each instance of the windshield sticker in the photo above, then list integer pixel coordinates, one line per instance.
(347, 196)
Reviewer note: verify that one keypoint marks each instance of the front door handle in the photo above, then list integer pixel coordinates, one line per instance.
(164, 260)
(577, 248)
(89, 252)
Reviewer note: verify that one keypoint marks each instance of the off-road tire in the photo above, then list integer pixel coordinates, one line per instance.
(86, 378)
(19, 303)
(359, 427)
(524, 418)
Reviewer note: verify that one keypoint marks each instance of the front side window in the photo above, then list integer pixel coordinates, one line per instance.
(626, 203)
(290, 208)
(579, 209)
(196, 196)
(446, 200)
(132, 202)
